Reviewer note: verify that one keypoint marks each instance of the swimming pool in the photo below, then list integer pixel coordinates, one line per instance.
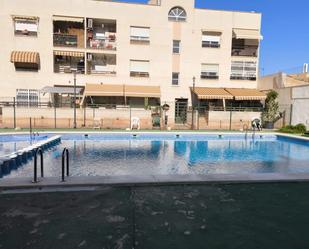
(170, 154)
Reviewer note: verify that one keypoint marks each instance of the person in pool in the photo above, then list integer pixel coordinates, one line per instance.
(256, 124)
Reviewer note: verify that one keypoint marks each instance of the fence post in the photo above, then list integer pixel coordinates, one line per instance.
(130, 116)
(85, 107)
(231, 115)
(14, 110)
(55, 115)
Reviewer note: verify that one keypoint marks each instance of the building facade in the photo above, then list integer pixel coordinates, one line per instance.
(125, 53)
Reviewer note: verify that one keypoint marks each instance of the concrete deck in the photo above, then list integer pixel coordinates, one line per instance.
(216, 216)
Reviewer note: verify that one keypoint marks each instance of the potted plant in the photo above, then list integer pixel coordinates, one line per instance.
(271, 110)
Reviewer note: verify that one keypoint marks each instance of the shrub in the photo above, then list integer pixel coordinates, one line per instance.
(297, 129)
(301, 128)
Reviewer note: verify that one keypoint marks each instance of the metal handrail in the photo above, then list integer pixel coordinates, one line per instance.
(65, 160)
(246, 129)
(35, 171)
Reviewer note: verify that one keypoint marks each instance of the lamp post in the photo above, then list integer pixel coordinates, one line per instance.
(193, 103)
(74, 104)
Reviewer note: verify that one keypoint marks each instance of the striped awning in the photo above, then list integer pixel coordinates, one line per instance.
(142, 91)
(247, 34)
(211, 93)
(69, 53)
(246, 94)
(25, 57)
(68, 19)
(19, 17)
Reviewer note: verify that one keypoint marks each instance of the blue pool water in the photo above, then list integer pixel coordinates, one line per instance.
(166, 154)
(12, 143)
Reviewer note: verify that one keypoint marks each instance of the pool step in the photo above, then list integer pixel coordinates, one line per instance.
(16, 159)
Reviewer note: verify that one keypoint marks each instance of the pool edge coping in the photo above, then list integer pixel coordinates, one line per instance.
(150, 180)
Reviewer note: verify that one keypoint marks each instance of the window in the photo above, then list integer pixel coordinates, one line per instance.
(177, 14)
(211, 39)
(27, 97)
(243, 70)
(139, 68)
(27, 26)
(175, 79)
(20, 66)
(210, 71)
(140, 34)
(176, 47)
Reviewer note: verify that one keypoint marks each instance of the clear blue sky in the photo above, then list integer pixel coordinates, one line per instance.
(284, 27)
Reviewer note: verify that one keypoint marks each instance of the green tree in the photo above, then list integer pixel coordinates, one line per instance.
(271, 109)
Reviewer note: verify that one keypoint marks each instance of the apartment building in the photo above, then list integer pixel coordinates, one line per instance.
(164, 52)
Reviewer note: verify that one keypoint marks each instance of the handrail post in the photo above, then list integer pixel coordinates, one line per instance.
(35, 165)
(65, 160)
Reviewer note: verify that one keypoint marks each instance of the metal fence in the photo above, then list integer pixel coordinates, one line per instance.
(180, 116)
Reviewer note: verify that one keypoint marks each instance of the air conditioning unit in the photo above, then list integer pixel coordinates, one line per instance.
(89, 57)
(90, 23)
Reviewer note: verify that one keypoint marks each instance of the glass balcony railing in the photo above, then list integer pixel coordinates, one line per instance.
(63, 40)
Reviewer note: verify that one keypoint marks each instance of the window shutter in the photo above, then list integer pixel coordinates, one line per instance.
(140, 32)
(139, 66)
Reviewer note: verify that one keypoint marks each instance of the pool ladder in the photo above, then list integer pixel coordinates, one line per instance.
(246, 130)
(65, 165)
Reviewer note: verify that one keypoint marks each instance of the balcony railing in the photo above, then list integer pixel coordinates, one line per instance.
(209, 75)
(63, 40)
(209, 44)
(101, 70)
(69, 69)
(243, 76)
(247, 50)
(139, 74)
(139, 39)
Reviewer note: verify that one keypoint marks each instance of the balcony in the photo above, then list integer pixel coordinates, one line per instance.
(68, 33)
(245, 47)
(69, 62)
(251, 51)
(101, 64)
(101, 34)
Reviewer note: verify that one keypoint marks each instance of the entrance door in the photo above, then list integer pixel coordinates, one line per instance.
(181, 107)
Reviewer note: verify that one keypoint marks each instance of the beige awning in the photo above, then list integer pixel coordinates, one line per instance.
(211, 93)
(19, 17)
(247, 34)
(103, 90)
(69, 53)
(25, 57)
(68, 19)
(246, 94)
(142, 91)
(108, 90)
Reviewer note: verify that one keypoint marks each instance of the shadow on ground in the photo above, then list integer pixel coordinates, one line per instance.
(245, 216)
